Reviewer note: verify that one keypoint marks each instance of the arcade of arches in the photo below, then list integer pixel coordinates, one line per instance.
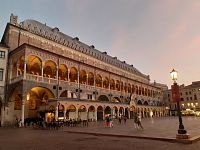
(41, 102)
(49, 69)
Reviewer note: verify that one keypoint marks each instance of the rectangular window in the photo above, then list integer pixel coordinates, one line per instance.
(2, 54)
(89, 96)
(1, 74)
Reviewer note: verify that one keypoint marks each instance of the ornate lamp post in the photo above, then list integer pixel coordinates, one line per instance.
(182, 133)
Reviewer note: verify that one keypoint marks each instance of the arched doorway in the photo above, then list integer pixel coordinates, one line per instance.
(132, 111)
(121, 111)
(99, 113)
(71, 112)
(91, 113)
(126, 113)
(82, 113)
(37, 99)
(61, 109)
(107, 111)
(115, 112)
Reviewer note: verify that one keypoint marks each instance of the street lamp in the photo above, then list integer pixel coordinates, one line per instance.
(182, 133)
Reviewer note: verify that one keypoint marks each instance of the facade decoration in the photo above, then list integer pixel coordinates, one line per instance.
(53, 75)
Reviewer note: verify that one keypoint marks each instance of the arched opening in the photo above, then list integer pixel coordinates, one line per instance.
(50, 69)
(21, 62)
(126, 112)
(139, 102)
(61, 109)
(117, 85)
(146, 103)
(64, 94)
(91, 113)
(129, 88)
(125, 87)
(91, 79)
(82, 113)
(71, 112)
(132, 111)
(116, 99)
(98, 81)
(63, 72)
(106, 83)
(99, 113)
(122, 86)
(37, 99)
(103, 98)
(82, 77)
(133, 89)
(34, 65)
(136, 90)
(73, 75)
(112, 84)
(115, 111)
(121, 111)
(107, 110)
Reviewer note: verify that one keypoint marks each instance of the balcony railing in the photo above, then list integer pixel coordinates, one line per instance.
(53, 81)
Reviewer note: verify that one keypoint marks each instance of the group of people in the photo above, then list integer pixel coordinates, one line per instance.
(136, 117)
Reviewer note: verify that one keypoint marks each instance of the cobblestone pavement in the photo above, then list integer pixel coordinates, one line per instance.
(165, 127)
(36, 139)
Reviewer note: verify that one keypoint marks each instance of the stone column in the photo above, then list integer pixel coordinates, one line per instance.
(68, 79)
(56, 114)
(23, 111)
(42, 71)
(65, 114)
(129, 114)
(76, 115)
(87, 79)
(103, 114)
(25, 70)
(95, 115)
(117, 113)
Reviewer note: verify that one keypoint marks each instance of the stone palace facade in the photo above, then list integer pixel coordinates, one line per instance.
(52, 75)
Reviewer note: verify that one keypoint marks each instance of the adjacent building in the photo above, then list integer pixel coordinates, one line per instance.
(54, 76)
(190, 98)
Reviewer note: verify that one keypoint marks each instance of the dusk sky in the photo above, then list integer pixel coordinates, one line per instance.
(153, 35)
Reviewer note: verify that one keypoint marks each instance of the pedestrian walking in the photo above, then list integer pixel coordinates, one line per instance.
(140, 122)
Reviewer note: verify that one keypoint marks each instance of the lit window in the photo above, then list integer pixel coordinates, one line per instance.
(188, 104)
